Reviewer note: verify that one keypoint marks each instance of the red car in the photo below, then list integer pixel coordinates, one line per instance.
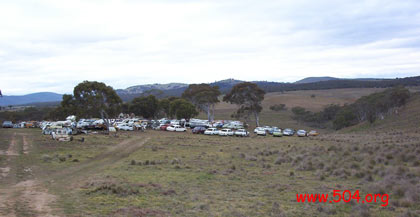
(163, 127)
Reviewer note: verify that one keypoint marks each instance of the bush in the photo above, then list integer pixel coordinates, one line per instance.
(46, 158)
(280, 160)
(361, 210)
(251, 158)
(278, 107)
(345, 117)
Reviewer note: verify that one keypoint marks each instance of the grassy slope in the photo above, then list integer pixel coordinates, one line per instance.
(405, 118)
(295, 98)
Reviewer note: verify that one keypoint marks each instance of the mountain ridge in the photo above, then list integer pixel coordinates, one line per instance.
(38, 97)
(315, 79)
(176, 89)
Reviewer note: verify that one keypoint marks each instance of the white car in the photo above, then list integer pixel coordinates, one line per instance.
(226, 132)
(261, 132)
(211, 131)
(302, 133)
(175, 122)
(259, 129)
(82, 124)
(176, 128)
(242, 133)
(61, 135)
(125, 127)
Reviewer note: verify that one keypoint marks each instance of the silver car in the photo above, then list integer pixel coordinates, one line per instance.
(288, 132)
(302, 133)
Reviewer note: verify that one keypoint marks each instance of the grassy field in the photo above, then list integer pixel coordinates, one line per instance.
(156, 173)
(181, 174)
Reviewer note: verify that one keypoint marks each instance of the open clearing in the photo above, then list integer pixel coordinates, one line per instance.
(156, 173)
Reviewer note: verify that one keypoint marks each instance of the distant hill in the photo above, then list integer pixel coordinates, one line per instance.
(176, 89)
(132, 92)
(138, 89)
(41, 97)
(167, 90)
(225, 86)
(319, 79)
(315, 79)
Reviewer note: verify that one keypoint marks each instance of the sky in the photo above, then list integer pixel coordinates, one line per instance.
(52, 45)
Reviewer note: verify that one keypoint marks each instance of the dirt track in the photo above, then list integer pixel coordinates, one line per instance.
(13, 149)
(30, 197)
(26, 198)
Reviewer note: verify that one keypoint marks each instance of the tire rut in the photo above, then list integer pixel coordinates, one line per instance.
(99, 162)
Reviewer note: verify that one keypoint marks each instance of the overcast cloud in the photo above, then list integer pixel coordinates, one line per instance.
(52, 45)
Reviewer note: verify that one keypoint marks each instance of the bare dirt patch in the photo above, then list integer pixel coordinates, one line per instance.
(12, 150)
(37, 197)
(6, 205)
(25, 145)
(4, 172)
(27, 195)
(99, 162)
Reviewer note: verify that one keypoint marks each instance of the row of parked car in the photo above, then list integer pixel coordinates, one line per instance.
(221, 132)
(261, 131)
(222, 128)
(28, 124)
(277, 132)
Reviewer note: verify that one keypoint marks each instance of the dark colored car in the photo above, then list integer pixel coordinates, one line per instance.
(7, 124)
(196, 124)
(198, 130)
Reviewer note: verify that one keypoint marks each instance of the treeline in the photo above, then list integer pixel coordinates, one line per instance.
(335, 84)
(367, 108)
(28, 114)
(96, 99)
(151, 107)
